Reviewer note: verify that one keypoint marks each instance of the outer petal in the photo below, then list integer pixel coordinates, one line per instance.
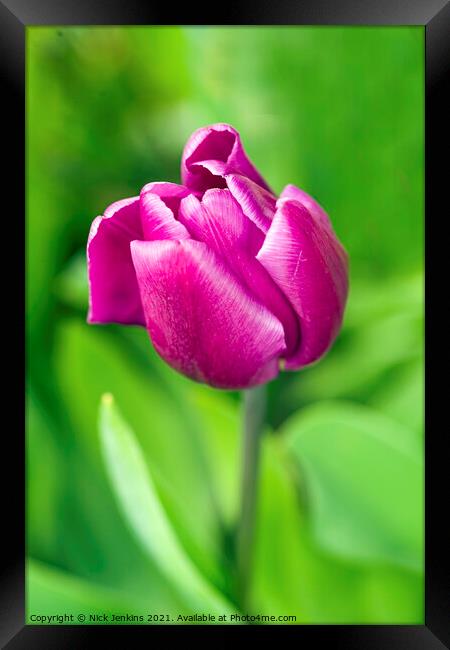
(309, 264)
(212, 152)
(257, 204)
(315, 210)
(201, 320)
(219, 222)
(113, 291)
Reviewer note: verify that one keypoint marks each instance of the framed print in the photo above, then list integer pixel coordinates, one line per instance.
(227, 251)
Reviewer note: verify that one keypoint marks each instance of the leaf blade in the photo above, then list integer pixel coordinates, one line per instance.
(364, 476)
(145, 514)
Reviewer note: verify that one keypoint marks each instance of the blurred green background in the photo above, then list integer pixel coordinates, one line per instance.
(337, 111)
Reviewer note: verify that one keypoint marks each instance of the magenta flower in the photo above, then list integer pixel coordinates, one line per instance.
(230, 282)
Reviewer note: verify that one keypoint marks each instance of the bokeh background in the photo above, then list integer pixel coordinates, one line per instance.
(337, 111)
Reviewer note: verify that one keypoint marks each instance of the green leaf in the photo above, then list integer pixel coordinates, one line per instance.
(145, 514)
(68, 500)
(94, 360)
(363, 475)
(290, 574)
(293, 575)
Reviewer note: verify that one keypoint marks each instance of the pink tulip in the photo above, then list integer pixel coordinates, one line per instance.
(230, 282)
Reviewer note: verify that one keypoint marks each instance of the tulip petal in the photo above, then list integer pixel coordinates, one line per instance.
(219, 222)
(310, 265)
(212, 152)
(315, 210)
(158, 221)
(200, 318)
(113, 290)
(170, 193)
(257, 203)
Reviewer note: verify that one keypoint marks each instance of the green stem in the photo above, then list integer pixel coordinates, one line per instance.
(254, 403)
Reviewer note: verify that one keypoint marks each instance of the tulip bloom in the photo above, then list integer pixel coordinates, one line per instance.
(230, 282)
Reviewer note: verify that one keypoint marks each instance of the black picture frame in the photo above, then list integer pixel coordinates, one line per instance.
(434, 15)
